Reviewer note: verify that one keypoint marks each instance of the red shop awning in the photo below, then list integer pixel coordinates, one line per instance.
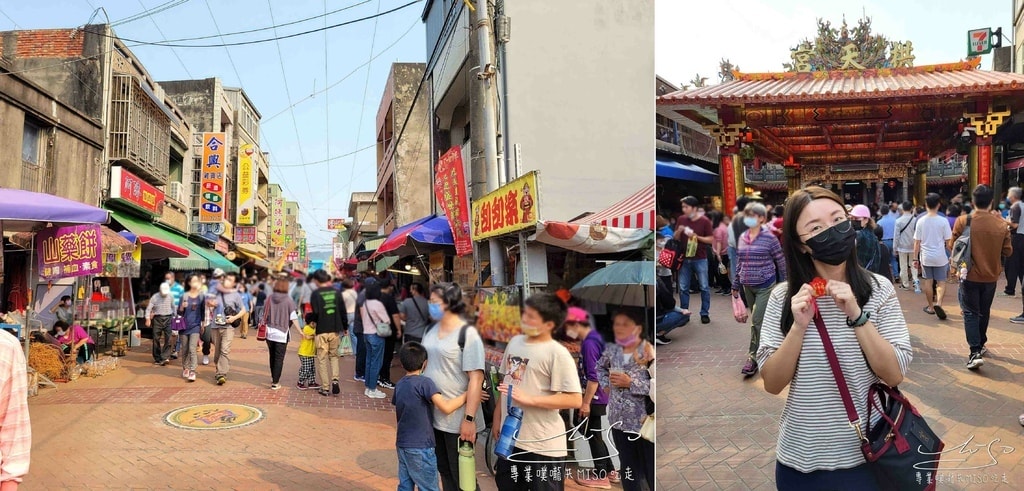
(636, 211)
(1014, 164)
(154, 248)
(398, 236)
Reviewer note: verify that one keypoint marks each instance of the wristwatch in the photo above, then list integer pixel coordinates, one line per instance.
(469, 418)
(859, 321)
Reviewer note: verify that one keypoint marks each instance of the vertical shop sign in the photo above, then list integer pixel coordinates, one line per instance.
(246, 186)
(277, 222)
(211, 197)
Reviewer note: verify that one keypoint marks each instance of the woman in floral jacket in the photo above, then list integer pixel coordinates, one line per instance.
(622, 370)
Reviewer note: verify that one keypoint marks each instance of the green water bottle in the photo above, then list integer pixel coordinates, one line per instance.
(467, 466)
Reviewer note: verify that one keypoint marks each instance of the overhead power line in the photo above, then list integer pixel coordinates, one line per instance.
(276, 38)
(148, 12)
(268, 28)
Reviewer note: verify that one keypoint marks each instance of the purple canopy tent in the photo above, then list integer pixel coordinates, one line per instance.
(27, 211)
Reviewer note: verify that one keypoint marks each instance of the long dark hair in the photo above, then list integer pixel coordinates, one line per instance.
(799, 265)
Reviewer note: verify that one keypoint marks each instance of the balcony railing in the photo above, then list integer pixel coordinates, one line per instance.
(947, 168)
(140, 132)
(767, 173)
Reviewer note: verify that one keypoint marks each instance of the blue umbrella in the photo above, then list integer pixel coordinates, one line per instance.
(621, 283)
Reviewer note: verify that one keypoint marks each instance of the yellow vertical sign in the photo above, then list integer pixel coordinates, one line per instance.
(211, 198)
(246, 192)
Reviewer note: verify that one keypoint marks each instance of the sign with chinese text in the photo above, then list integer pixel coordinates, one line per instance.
(302, 249)
(450, 190)
(277, 222)
(335, 224)
(338, 249)
(246, 186)
(222, 246)
(66, 252)
(245, 235)
(121, 265)
(211, 189)
(979, 41)
(463, 272)
(292, 256)
(128, 188)
(985, 164)
(510, 208)
(728, 183)
(437, 267)
(499, 316)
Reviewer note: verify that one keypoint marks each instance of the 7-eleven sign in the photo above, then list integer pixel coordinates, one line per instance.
(979, 41)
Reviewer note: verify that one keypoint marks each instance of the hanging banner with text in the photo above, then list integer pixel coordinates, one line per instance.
(66, 252)
(246, 186)
(211, 189)
(985, 164)
(302, 249)
(277, 222)
(335, 224)
(450, 190)
(507, 209)
(728, 182)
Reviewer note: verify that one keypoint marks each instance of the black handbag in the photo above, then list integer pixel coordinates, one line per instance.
(902, 451)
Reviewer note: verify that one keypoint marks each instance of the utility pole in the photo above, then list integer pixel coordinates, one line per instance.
(485, 165)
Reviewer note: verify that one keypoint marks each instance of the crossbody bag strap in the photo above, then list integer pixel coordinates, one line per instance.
(837, 372)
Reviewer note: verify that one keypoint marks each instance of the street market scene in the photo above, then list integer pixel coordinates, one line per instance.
(843, 213)
(405, 255)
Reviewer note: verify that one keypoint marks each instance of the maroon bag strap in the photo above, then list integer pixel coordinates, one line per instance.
(837, 372)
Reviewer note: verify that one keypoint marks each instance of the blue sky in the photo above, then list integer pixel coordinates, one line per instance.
(757, 35)
(323, 189)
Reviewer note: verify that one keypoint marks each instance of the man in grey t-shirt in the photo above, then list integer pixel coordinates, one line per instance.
(223, 325)
(414, 312)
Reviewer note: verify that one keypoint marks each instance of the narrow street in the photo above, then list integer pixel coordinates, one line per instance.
(718, 431)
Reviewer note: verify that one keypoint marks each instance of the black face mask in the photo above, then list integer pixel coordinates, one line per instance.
(834, 244)
(857, 225)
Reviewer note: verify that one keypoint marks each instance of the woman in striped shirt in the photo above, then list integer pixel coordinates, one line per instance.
(759, 266)
(817, 449)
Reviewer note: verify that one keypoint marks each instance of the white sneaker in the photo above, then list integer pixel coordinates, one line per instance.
(374, 394)
(206, 359)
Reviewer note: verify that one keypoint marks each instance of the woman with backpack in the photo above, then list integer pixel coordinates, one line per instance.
(456, 370)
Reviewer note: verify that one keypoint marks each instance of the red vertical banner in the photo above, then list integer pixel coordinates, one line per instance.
(450, 190)
(985, 164)
(728, 177)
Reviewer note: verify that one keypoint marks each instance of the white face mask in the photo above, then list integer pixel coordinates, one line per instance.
(572, 333)
(530, 331)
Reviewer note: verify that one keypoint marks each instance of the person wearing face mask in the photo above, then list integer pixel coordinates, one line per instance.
(624, 373)
(158, 317)
(931, 254)
(1015, 263)
(192, 307)
(888, 225)
(456, 368)
(867, 241)
(860, 312)
(541, 378)
(595, 399)
(760, 266)
(64, 310)
(75, 341)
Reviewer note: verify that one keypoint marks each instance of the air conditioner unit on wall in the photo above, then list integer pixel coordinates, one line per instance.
(176, 191)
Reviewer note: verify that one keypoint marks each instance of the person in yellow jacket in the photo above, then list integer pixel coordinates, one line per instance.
(307, 355)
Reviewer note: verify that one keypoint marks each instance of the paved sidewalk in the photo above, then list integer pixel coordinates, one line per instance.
(718, 431)
(109, 432)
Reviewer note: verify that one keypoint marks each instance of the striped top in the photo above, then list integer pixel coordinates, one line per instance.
(15, 429)
(759, 262)
(814, 432)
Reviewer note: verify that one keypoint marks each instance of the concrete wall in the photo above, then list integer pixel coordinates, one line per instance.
(413, 193)
(77, 141)
(580, 100)
(41, 53)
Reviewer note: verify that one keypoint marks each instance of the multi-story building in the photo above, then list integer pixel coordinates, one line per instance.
(255, 211)
(581, 119)
(403, 164)
(362, 208)
(61, 147)
(91, 70)
(207, 106)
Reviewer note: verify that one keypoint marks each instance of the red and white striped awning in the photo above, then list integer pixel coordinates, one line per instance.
(636, 211)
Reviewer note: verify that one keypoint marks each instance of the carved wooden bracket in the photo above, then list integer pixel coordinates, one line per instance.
(987, 124)
(726, 135)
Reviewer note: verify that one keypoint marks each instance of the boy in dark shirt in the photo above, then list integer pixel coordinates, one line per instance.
(414, 394)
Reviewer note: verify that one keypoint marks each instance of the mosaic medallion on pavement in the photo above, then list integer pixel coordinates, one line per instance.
(213, 416)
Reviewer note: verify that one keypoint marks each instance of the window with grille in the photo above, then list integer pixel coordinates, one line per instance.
(31, 150)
